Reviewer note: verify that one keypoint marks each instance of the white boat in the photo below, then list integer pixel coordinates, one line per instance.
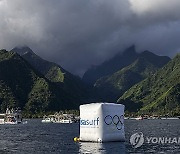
(65, 121)
(48, 119)
(139, 118)
(11, 117)
(63, 118)
(59, 118)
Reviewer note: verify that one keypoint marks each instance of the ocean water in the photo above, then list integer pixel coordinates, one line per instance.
(36, 137)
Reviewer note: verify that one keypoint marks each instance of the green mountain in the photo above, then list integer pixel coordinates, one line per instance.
(55, 73)
(39, 86)
(23, 86)
(159, 93)
(113, 86)
(111, 66)
(50, 70)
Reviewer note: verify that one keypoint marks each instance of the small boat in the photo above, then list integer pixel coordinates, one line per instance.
(59, 118)
(64, 118)
(65, 121)
(139, 118)
(11, 117)
(48, 119)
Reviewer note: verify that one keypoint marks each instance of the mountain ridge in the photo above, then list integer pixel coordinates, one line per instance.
(146, 85)
(110, 66)
(55, 73)
(23, 86)
(113, 86)
(155, 91)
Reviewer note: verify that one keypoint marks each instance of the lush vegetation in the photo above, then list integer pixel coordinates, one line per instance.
(159, 93)
(71, 84)
(111, 87)
(137, 80)
(22, 86)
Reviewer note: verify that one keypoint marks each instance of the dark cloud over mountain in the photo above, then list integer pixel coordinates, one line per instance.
(79, 33)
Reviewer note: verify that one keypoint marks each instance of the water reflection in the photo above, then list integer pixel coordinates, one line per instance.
(101, 148)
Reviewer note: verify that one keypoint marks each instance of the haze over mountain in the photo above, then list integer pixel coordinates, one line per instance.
(120, 61)
(112, 65)
(113, 86)
(113, 77)
(159, 93)
(55, 73)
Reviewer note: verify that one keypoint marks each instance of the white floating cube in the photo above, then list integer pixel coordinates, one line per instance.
(102, 122)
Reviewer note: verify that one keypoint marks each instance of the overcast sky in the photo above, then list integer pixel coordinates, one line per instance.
(79, 33)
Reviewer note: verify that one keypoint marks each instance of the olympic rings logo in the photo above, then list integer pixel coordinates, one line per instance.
(116, 120)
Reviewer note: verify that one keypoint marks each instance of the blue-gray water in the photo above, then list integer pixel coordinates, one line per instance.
(36, 137)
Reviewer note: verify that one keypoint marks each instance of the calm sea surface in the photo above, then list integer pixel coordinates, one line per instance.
(36, 137)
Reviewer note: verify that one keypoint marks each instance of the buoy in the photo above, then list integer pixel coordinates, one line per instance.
(76, 139)
(102, 122)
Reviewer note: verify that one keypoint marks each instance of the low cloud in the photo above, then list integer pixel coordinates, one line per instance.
(78, 34)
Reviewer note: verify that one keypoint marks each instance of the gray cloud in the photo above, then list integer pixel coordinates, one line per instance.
(78, 34)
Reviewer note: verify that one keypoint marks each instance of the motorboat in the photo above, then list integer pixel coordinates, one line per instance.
(48, 119)
(139, 118)
(59, 118)
(65, 121)
(11, 117)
